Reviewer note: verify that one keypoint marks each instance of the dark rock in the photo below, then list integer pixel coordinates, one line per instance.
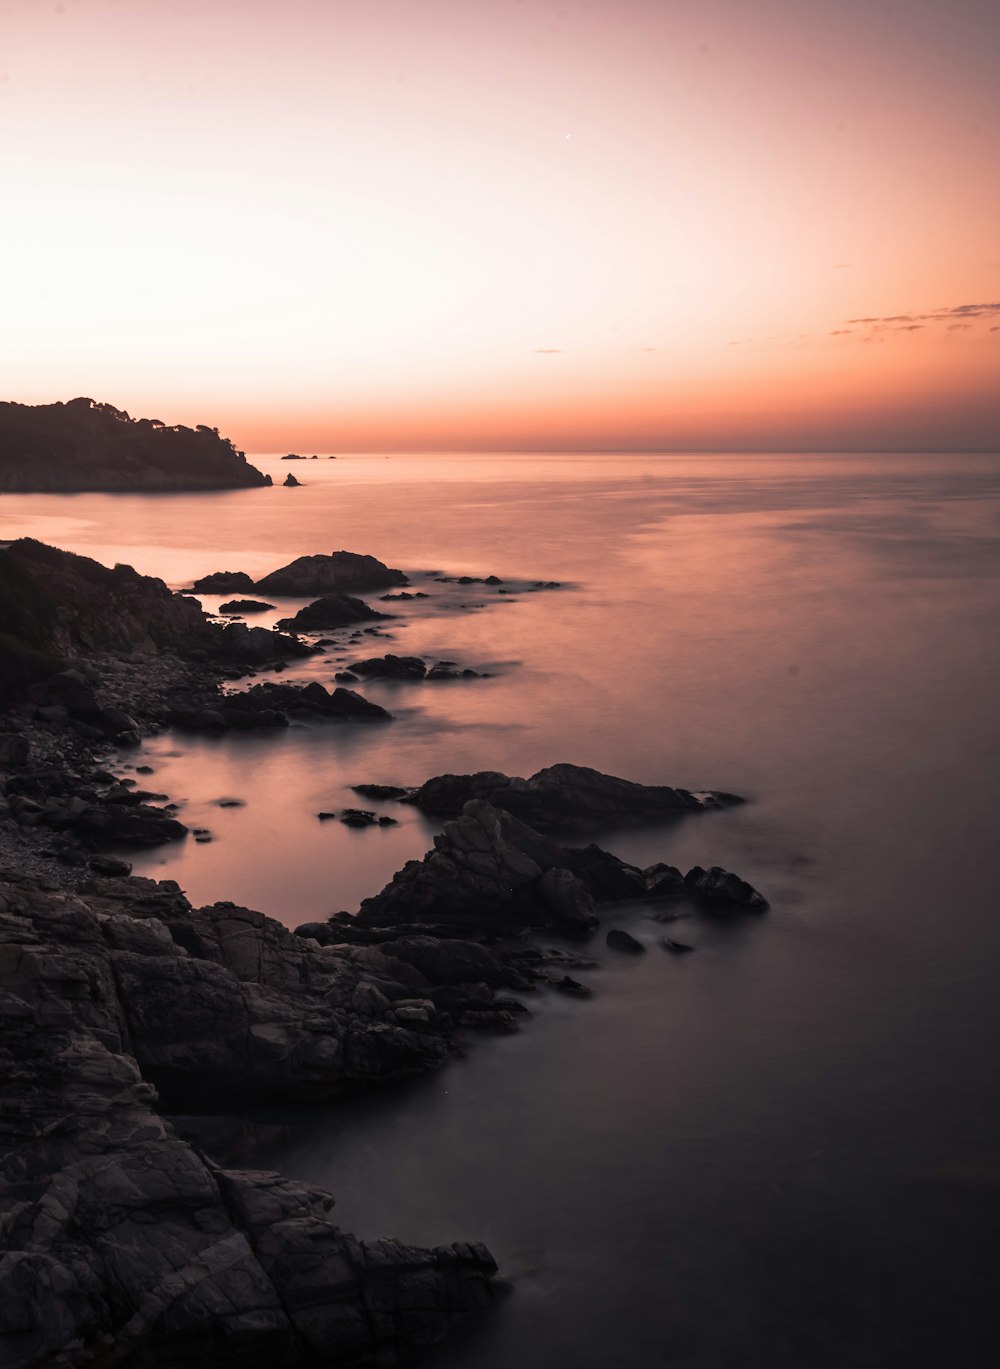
(572, 986)
(488, 872)
(358, 817)
(123, 1242)
(244, 606)
(325, 817)
(112, 866)
(380, 791)
(15, 749)
(81, 445)
(336, 573)
(309, 700)
(663, 881)
(675, 947)
(405, 594)
(293, 456)
(721, 887)
(331, 611)
(390, 668)
(223, 582)
(258, 645)
(290, 482)
(560, 795)
(623, 941)
(346, 677)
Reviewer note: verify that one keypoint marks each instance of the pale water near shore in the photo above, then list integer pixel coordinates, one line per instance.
(783, 1150)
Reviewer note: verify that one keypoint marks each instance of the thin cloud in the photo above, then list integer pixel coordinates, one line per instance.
(957, 312)
(548, 351)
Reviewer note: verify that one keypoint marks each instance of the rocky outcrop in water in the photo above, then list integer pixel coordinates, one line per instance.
(244, 606)
(122, 1243)
(223, 582)
(55, 605)
(274, 704)
(561, 795)
(82, 445)
(330, 612)
(340, 572)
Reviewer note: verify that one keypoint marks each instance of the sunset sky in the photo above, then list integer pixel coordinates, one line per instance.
(413, 224)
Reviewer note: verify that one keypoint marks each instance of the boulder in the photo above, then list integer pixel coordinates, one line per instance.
(722, 889)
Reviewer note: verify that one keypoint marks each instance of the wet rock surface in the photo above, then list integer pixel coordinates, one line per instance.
(123, 1244)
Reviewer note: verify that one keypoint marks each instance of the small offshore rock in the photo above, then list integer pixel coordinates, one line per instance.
(623, 941)
(380, 791)
(244, 606)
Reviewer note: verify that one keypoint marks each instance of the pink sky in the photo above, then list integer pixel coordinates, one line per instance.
(508, 223)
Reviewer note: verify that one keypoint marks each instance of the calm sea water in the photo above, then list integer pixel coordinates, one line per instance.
(784, 1149)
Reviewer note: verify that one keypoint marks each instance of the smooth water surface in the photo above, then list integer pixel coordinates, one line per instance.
(784, 1149)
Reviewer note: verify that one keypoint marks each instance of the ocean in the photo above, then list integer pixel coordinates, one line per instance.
(782, 1150)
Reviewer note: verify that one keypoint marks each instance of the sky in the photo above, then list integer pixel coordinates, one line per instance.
(508, 224)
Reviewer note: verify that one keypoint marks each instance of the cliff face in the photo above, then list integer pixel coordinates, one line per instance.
(82, 446)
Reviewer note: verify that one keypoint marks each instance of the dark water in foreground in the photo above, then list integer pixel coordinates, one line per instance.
(784, 1149)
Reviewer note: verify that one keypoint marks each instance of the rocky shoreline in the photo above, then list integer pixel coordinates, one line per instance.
(128, 1239)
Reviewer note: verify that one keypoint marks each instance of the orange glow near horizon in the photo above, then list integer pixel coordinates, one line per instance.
(384, 224)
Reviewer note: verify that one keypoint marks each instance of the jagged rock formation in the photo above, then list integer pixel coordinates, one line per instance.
(339, 572)
(561, 795)
(82, 445)
(491, 877)
(123, 1244)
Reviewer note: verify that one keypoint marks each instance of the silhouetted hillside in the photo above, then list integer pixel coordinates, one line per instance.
(83, 445)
